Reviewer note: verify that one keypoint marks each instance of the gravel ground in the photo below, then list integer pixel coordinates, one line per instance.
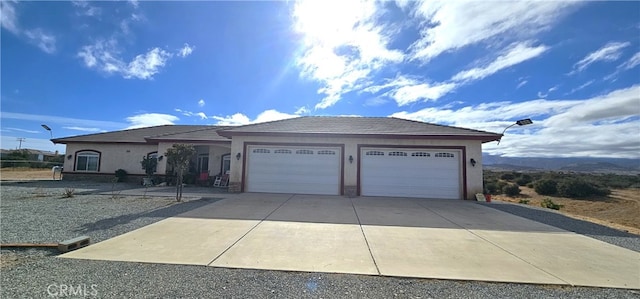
(35, 212)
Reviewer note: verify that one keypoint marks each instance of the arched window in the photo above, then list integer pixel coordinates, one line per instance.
(87, 160)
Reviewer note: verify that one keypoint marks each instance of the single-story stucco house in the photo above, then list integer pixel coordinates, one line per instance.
(368, 156)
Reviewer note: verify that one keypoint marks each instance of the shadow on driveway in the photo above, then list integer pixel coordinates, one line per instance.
(172, 209)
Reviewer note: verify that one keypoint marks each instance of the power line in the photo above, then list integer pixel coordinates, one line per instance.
(21, 139)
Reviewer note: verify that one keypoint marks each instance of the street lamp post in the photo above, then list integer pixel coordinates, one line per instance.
(48, 129)
(522, 122)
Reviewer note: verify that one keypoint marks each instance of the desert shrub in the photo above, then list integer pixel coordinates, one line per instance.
(576, 188)
(549, 204)
(546, 187)
(507, 176)
(511, 190)
(524, 201)
(490, 188)
(500, 185)
(524, 180)
(530, 185)
(121, 175)
(68, 192)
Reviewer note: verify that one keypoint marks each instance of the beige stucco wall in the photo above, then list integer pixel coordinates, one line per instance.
(473, 150)
(128, 156)
(113, 156)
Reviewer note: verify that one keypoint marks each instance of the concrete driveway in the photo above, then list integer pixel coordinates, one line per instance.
(445, 239)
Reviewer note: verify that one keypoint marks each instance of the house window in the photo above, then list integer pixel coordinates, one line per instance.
(87, 161)
(261, 151)
(398, 154)
(326, 152)
(304, 152)
(420, 154)
(444, 155)
(282, 151)
(226, 164)
(375, 153)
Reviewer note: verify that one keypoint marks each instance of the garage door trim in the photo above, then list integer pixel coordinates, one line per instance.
(462, 149)
(245, 152)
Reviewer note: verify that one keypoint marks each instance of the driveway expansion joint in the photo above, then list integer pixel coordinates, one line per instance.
(365, 237)
(250, 230)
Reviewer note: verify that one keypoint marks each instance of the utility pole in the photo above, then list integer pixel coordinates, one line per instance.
(21, 139)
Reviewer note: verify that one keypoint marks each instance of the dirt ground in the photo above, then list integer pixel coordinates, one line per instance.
(620, 210)
(10, 174)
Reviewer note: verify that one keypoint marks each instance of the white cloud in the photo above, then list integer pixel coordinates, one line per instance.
(46, 42)
(522, 83)
(302, 110)
(632, 62)
(609, 52)
(451, 25)
(201, 103)
(85, 9)
(23, 130)
(185, 51)
(583, 86)
(104, 55)
(65, 121)
(9, 17)
(150, 119)
(406, 90)
(599, 127)
(85, 129)
(550, 90)
(241, 119)
(342, 52)
(202, 115)
(145, 66)
(514, 54)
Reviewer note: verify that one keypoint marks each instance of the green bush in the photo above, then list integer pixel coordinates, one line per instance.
(530, 185)
(546, 187)
(507, 176)
(549, 204)
(490, 188)
(524, 201)
(121, 174)
(576, 188)
(511, 190)
(524, 180)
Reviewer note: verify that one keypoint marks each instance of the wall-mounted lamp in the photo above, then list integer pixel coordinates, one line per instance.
(350, 159)
(238, 156)
(69, 157)
(160, 158)
(473, 162)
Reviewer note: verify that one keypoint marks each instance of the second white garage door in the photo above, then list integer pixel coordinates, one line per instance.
(304, 170)
(410, 173)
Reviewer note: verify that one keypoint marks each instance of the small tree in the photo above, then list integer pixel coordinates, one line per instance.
(178, 156)
(149, 164)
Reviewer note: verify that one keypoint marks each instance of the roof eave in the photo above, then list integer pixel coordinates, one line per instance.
(483, 138)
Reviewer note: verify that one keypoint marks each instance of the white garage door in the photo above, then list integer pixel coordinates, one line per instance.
(303, 170)
(411, 173)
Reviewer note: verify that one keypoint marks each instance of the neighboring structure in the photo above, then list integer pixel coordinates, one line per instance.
(34, 154)
(368, 156)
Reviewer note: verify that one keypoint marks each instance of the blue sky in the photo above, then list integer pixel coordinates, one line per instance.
(85, 67)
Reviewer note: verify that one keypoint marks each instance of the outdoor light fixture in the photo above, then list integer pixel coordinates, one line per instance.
(160, 158)
(48, 129)
(238, 156)
(522, 122)
(69, 157)
(350, 159)
(473, 162)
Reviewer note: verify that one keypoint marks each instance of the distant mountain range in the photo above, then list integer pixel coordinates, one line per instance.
(594, 165)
